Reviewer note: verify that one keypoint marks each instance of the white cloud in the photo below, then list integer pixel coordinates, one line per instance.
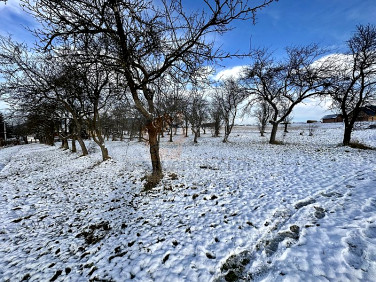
(234, 72)
(335, 62)
(311, 109)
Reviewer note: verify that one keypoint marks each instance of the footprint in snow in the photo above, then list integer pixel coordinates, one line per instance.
(332, 194)
(319, 212)
(233, 268)
(370, 205)
(304, 203)
(355, 250)
(271, 246)
(370, 231)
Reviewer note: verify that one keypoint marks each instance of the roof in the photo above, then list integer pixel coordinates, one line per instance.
(331, 116)
(369, 110)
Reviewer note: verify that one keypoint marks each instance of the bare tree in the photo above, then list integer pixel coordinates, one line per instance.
(119, 115)
(147, 39)
(353, 77)
(41, 120)
(287, 121)
(79, 89)
(185, 114)
(197, 112)
(263, 114)
(96, 85)
(228, 97)
(32, 78)
(171, 103)
(68, 91)
(24, 87)
(286, 83)
(216, 117)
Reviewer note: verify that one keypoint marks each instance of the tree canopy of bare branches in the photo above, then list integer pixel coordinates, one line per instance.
(146, 40)
(227, 98)
(283, 84)
(353, 77)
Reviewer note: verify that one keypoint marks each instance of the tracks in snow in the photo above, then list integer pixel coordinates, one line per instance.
(284, 230)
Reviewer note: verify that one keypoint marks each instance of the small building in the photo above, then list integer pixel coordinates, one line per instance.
(332, 118)
(367, 113)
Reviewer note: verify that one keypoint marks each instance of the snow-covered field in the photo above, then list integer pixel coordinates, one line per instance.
(246, 210)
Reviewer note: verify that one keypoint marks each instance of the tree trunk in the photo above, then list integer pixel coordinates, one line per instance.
(347, 135)
(273, 133)
(171, 133)
(50, 140)
(104, 150)
(98, 138)
(79, 139)
(64, 144)
(140, 134)
(186, 129)
(286, 127)
(83, 146)
(154, 151)
(227, 130)
(131, 137)
(262, 127)
(216, 129)
(74, 149)
(196, 136)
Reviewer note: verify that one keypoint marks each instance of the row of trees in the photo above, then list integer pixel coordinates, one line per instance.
(111, 66)
(114, 47)
(347, 80)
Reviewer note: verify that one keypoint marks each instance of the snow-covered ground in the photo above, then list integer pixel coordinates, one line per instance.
(246, 210)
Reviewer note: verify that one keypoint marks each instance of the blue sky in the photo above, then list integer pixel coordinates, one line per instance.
(15, 21)
(328, 23)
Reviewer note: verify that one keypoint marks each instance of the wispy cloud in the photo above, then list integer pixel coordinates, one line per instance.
(362, 12)
(11, 5)
(234, 72)
(15, 21)
(313, 109)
